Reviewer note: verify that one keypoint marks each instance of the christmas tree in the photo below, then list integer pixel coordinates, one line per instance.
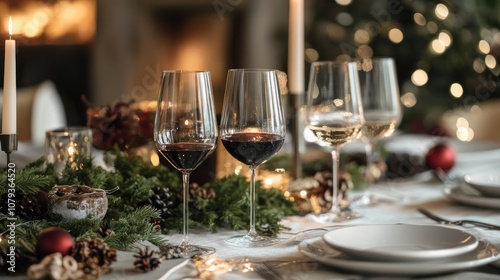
(447, 52)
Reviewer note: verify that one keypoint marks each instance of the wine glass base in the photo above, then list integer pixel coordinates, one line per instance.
(248, 241)
(365, 200)
(331, 217)
(190, 250)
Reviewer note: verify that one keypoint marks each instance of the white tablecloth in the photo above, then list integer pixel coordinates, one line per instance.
(399, 205)
(399, 202)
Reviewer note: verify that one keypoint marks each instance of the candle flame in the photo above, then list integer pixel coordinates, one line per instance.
(10, 26)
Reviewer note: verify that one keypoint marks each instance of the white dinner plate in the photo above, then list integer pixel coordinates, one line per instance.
(463, 195)
(401, 242)
(486, 183)
(318, 250)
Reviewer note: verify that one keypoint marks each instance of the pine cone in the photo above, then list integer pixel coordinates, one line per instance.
(325, 180)
(171, 252)
(95, 255)
(28, 206)
(146, 260)
(197, 191)
(104, 231)
(163, 200)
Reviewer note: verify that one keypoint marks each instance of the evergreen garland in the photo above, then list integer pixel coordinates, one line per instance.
(130, 218)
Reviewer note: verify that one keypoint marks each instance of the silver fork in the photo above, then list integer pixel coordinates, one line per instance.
(267, 271)
(456, 222)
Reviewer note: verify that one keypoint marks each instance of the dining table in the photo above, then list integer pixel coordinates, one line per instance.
(398, 201)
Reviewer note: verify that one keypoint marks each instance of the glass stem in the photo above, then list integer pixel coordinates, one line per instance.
(335, 180)
(252, 232)
(370, 160)
(185, 211)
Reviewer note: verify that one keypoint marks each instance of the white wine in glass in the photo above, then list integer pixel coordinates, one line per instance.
(185, 133)
(381, 106)
(334, 114)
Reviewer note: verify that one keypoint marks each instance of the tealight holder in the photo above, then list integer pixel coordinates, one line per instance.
(64, 144)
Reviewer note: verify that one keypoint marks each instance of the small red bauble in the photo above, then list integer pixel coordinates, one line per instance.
(440, 157)
(52, 240)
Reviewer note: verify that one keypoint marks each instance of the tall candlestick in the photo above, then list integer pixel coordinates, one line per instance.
(296, 81)
(296, 47)
(9, 86)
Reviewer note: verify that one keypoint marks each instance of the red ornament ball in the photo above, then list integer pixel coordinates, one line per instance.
(440, 157)
(52, 240)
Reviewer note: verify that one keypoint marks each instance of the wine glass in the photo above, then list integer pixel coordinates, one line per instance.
(185, 132)
(252, 131)
(334, 114)
(381, 107)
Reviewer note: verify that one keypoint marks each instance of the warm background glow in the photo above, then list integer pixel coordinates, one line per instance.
(50, 22)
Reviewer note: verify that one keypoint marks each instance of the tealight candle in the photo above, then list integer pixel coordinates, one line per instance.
(9, 86)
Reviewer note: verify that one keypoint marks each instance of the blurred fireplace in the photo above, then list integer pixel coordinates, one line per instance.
(118, 48)
(53, 39)
(135, 40)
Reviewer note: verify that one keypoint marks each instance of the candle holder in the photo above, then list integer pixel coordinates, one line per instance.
(8, 144)
(296, 130)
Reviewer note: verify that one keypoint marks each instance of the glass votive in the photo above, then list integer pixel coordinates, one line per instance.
(64, 144)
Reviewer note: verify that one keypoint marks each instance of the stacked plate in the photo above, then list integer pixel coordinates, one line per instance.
(477, 189)
(409, 250)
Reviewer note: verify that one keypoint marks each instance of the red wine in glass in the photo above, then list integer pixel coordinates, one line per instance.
(186, 133)
(252, 131)
(252, 148)
(186, 156)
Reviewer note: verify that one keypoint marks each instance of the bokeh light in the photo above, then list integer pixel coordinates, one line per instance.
(445, 38)
(441, 11)
(432, 27)
(437, 46)
(456, 90)
(419, 19)
(419, 77)
(478, 65)
(396, 35)
(345, 19)
(409, 99)
(365, 51)
(490, 61)
(361, 36)
(343, 2)
(484, 47)
(311, 55)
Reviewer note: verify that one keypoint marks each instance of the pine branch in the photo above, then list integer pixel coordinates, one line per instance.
(79, 227)
(133, 227)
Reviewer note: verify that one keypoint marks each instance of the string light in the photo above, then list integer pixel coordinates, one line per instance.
(464, 132)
